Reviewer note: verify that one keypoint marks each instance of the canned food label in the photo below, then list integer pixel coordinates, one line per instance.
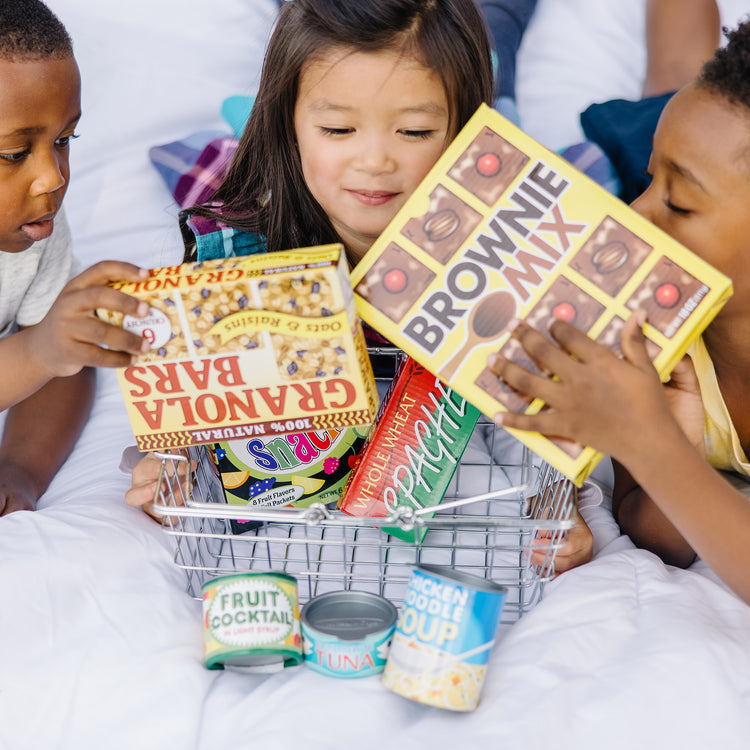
(331, 655)
(442, 643)
(247, 615)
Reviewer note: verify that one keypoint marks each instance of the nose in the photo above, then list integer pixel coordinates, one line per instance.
(51, 170)
(374, 156)
(644, 204)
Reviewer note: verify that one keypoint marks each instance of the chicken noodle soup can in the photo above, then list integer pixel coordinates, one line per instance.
(347, 633)
(251, 622)
(443, 638)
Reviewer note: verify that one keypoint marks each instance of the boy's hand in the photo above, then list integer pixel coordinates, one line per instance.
(594, 389)
(71, 337)
(17, 492)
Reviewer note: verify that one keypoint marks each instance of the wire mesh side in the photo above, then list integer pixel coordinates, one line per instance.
(520, 504)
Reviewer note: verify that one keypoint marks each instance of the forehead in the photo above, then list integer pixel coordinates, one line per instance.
(705, 131)
(38, 88)
(345, 77)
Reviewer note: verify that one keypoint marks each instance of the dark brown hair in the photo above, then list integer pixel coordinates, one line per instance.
(727, 73)
(264, 191)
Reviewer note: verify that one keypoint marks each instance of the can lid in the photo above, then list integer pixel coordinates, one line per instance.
(270, 574)
(349, 615)
(466, 579)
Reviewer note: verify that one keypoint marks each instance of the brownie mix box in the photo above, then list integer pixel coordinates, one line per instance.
(500, 228)
(262, 345)
(412, 450)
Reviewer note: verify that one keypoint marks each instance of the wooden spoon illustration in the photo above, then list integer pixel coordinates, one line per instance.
(487, 319)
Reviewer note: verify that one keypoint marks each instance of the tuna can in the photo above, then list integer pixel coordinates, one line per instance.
(251, 622)
(347, 633)
(443, 637)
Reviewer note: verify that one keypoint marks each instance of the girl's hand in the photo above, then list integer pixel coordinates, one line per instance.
(593, 389)
(71, 337)
(144, 479)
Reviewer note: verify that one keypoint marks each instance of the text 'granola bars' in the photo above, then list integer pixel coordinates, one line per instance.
(259, 345)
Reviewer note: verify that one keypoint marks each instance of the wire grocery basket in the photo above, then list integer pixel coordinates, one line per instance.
(502, 501)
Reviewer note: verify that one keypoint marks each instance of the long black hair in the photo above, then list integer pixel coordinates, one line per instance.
(264, 191)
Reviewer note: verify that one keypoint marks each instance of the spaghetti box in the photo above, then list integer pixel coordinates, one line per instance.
(413, 448)
(503, 228)
(294, 469)
(258, 346)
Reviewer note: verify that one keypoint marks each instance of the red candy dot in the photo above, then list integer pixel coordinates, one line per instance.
(488, 165)
(564, 311)
(395, 281)
(667, 295)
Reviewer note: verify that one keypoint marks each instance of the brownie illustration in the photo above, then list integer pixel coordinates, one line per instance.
(611, 335)
(568, 302)
(609, 257)
(446, 225)
(395, 282)
(488, 166)
(668, 294)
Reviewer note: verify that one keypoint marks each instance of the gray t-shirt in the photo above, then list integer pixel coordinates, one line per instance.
(31, 280)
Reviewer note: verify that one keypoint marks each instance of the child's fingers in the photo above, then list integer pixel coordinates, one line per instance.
(633, 342)
(141, 494)
(105, 271)
(518, 377)
(546, 422)
(107, 298)
(545, 354)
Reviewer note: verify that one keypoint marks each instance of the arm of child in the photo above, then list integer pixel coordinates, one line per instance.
(636, 513)
(594, 391)
(39, 435)
(70, 336)
(44, 382)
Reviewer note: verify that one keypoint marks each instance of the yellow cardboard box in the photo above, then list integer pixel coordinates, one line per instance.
(500, 228)
(266, 344)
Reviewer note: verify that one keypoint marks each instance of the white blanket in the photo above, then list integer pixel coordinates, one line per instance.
(100, 646)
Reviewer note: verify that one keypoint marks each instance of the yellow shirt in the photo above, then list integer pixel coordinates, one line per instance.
(723, 447)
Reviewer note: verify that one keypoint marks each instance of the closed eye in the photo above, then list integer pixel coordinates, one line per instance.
(676, 209)
(15, 157)
(422, 134)
(336, 131)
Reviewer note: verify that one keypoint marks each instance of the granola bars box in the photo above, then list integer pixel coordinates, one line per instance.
(265, 344)
(413, 448)
(500, 228)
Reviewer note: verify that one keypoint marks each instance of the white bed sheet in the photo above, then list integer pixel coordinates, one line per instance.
(99, 645)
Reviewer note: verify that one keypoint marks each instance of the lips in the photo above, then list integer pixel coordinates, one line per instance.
(373, 197)
(40, 229)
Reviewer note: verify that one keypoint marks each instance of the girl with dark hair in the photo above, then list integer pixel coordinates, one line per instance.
(394, 80)
(357, 101)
